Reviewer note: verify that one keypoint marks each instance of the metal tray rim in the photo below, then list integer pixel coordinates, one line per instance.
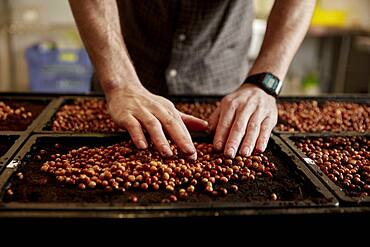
(10, 153)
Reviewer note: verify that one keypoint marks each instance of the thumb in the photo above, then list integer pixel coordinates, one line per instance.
(194, 123)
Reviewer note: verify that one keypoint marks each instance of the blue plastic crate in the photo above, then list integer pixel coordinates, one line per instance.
(56, 70)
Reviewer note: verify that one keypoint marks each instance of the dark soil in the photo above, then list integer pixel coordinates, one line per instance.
(288, 184)
(33, 106)
(5, 143)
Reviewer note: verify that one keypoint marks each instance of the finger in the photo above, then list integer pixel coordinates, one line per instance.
(154, 128)
(172, 123)
(213, 119)
(193, 123)
(264, 135)
(238, 128)
(253, 130)
(225, 120)
(194, 155)
(134, 128)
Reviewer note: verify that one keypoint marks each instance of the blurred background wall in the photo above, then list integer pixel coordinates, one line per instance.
(334, 57)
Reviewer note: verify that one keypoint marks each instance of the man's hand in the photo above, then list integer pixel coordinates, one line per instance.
(245, 118)
(244, 121)
(137, 108)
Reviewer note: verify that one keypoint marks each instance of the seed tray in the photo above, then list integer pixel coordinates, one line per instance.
(9, 144)
(345, 198)
(45, 125)
(294, 184)
(348, 98)
(36, 105)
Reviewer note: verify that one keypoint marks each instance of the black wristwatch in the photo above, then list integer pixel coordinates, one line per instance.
(267, 81)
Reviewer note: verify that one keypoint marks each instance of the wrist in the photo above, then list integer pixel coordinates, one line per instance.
(113, 90)
(111, 84)
(262, 65)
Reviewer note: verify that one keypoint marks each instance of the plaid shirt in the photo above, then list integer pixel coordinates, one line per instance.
(188, 46)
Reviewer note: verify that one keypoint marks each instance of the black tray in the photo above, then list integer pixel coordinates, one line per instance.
(26, 98)
(317, 196)
(343, 197)
(10, 143)
(350, 98)
(44, 126)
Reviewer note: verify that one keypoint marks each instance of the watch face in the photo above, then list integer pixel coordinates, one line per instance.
(271, 83)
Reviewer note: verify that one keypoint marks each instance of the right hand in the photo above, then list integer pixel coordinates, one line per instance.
(137, 108)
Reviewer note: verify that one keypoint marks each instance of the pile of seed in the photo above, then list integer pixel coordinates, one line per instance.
(7, 112)
(310, 116)
(91, 115)
(345, 160)
(199, 110)
(84, 115)
(121, 167)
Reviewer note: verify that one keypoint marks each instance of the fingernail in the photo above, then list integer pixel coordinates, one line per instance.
(218, 146)
(189, 149)
(166, 151)
(245, 152)
(260, 149)
(142, 145)
(192, 157)
(230, 153)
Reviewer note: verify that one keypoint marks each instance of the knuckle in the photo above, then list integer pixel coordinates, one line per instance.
(239, 126)
(169, 122)
(135, 137)
(229, 101)
(159, 142)
(151, 122)
(170, 105)
(158, 139)
(252, 126)
(226, 99)
(225, 124)
(233, 104)
(265, 129)
(130, 125)
(119, 117)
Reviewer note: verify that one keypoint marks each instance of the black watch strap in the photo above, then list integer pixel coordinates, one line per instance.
(267, 81)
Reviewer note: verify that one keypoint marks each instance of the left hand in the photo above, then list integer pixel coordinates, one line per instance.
(245, 119)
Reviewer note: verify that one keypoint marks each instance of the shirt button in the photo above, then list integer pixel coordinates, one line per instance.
(172, 73)
(182, 37)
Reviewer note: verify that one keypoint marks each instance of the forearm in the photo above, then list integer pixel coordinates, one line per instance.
(286, 27)
(99, 26)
